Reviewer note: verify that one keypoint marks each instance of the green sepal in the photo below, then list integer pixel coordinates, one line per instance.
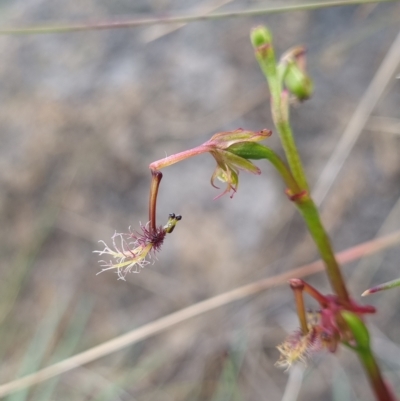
(250, 150)
(358, 329)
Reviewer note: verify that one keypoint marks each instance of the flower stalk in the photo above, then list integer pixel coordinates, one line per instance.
(221, 146)
(298, 286)
(339, 317)
(265, 55)
(130, 252)
(256, 151)
(309, 211)
(275, 74)
(156, 177)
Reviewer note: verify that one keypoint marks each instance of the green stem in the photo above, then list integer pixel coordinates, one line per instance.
(361, 345)
(311, 216)
(262, 41)
(289, 146)
(280, 109)
(307, 209)
(256, 151)
(374, 375)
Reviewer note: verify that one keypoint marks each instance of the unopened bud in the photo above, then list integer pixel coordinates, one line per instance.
(296, 78)
(298, 83)
(260, 36)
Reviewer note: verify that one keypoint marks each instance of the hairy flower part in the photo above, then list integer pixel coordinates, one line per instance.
(126, 256)
(323, 329)
(299, 347)
(130, 252)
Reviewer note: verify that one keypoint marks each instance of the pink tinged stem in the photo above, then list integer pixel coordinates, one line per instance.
(310, 290)
(155, 184)
(298, 286)
(178, 157)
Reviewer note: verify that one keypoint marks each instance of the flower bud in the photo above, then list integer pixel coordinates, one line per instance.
(260, 36)
(296, 79)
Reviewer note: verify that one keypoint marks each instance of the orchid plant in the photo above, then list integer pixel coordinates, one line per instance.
(339, 319)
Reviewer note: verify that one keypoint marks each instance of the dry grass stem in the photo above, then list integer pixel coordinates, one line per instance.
(118, 24)
(156, 32)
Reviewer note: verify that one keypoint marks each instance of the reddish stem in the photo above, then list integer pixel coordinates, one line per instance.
(155, 184)
(310, 290)
(298, 286)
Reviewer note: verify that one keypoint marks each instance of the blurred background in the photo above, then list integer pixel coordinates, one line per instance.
(83, 115)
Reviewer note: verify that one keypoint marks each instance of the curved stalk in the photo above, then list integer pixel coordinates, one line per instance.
(156, 177)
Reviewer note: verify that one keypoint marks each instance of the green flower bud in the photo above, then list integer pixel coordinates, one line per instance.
(260, 36)
(295, 77)
(297, 82)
